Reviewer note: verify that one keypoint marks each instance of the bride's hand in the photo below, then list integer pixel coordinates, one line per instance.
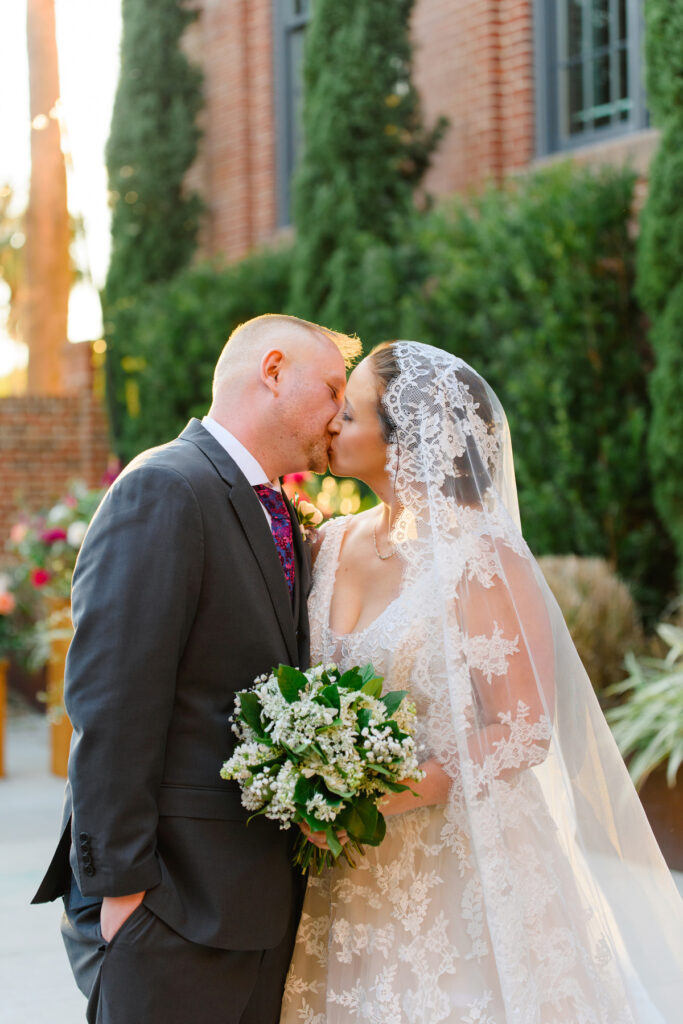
(433, 789)
(319, 839)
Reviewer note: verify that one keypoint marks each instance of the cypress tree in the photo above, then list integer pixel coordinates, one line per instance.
(153, 141)
(366, 150)
(660, 260)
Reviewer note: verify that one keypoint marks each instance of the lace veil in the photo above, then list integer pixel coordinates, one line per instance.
(573, 883)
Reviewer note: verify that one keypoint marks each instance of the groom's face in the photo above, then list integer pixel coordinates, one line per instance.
(313, 395)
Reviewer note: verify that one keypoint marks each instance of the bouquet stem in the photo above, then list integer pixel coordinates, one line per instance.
(310, 857)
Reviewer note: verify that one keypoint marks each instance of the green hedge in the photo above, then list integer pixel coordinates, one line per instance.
(660, 263)
(534, 285)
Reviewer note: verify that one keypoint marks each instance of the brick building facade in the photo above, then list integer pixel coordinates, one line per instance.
(520, 81)
(46, 442)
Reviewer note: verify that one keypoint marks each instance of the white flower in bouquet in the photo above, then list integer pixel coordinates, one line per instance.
(323, 747)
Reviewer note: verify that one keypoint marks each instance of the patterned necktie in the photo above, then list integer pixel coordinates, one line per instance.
(281, 526)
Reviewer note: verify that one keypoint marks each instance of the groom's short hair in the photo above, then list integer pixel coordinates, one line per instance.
(241, 343)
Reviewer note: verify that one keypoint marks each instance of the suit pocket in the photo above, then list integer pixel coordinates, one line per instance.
(201, 802)
(128, 925)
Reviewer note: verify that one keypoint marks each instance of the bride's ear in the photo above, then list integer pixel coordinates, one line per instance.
(271, 369)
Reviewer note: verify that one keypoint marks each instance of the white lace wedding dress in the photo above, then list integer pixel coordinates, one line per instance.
(404, 938)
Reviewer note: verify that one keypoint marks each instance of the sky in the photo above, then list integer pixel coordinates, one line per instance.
(88, 37)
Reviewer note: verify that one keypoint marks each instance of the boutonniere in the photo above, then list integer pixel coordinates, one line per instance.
(309, 516)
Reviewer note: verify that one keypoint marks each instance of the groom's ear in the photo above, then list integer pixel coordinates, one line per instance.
(271, 368)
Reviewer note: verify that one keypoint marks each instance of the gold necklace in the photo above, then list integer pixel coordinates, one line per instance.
(382, 557)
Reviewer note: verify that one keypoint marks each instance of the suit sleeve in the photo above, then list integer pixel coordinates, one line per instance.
(134, 596)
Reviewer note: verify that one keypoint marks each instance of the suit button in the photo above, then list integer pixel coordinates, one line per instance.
(87, 859)
(85, 845)
(83, 836)
(89, 870)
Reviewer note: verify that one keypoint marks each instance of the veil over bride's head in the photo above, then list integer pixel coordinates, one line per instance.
(448, 436)
(572, 881)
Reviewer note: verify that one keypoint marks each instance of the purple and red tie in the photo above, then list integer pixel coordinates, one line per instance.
(281, 526)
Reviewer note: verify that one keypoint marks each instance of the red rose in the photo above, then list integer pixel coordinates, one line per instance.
(39, 577)
(50, 536)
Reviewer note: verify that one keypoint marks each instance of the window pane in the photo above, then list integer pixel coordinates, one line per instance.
(600, 19)
(623, 85)
(574, 18)
(576, 121)
(601, 91)
(623, 20)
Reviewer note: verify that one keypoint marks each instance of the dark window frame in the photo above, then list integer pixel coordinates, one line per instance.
(289, 18)
(552, 136)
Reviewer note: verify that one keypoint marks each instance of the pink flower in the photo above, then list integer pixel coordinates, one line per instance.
(70, 501)
(18, 532)
(7, 603)
(39, 577)
(50, 536)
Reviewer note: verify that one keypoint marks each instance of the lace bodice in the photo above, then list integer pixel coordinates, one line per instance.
(389, 642)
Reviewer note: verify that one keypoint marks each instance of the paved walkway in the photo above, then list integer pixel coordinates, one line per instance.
(36, 986)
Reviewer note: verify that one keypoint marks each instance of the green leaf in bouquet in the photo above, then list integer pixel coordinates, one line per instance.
(332, 841)
(345, 794)
(373, 687)
(293, 753)
(304, 789)
(329, 725)
(351, 680)
(380, 831)
(251, 711)
(398, 787)
(291, 682)
(331, 695)
(319, 751)
(367, 673)
(359, 819)
(392, 701)
(363, 718)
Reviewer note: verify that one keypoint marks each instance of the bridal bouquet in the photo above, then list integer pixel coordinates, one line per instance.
(322, 747)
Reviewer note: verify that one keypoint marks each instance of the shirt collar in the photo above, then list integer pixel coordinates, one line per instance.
(246, 462)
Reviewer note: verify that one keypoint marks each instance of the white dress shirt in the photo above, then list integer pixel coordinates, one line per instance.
(246, 462)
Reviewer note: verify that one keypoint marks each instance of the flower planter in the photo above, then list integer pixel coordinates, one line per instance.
(60, 726)
(3, 712)
(664, 809)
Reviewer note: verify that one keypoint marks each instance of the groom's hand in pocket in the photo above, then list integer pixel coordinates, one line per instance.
(115, 912)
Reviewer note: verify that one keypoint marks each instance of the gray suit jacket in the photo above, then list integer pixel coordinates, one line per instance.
(178, 600)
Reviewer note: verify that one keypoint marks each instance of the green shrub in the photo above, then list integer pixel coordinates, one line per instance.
(660, 262)
(178, 330)
(366, 150)
(152, 143)
(534, 286)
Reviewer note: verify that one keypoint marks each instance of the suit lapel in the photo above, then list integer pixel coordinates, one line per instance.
(255, 526)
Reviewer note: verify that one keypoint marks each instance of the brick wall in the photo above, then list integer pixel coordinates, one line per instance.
(235, 172)
(474, 64)
(45, 443)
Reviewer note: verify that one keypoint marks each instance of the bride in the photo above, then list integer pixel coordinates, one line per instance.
(522, 885)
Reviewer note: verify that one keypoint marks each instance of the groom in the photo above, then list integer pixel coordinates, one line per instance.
(191, 581)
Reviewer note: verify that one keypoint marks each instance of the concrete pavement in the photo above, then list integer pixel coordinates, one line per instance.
(36, 985)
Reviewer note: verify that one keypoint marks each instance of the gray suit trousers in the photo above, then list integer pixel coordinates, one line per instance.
(149, 974)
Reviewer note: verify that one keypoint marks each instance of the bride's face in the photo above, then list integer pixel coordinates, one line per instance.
(359, 450)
